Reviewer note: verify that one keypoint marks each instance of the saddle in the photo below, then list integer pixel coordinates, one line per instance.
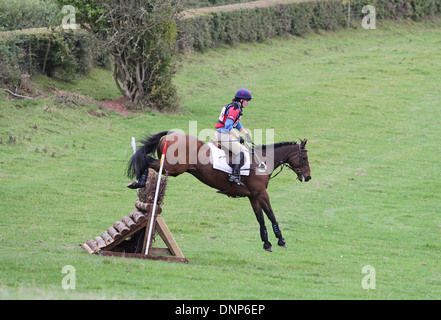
(221, 161)
(229, 158)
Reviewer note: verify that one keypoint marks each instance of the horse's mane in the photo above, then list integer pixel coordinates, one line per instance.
(263, 147)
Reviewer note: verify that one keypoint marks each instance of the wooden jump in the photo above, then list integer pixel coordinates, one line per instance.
(127, 238)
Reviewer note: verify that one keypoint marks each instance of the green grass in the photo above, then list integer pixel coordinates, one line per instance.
(99, 84)
(367, 100)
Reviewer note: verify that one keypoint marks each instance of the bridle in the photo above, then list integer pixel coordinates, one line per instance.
(285, 163)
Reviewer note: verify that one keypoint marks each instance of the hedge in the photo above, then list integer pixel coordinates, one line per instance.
(65, 53)
(61, 53)
(208, 30)
(25, 14)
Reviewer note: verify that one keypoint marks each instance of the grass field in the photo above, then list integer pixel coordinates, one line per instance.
(367, 100)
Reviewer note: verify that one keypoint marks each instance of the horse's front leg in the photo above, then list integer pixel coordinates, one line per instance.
(259, 215)
(266, 206)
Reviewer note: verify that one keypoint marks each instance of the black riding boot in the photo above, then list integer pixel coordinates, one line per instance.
(235, 176)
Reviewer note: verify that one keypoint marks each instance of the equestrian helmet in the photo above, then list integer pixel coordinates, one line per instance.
(243, 94)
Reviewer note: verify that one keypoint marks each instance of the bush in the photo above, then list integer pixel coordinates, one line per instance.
(10, 73)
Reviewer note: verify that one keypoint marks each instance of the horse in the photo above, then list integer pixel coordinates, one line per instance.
(181, 157)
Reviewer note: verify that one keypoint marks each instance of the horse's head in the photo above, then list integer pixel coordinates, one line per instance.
(299, 163)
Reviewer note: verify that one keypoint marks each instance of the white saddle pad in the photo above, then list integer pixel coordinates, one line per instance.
(219, 161)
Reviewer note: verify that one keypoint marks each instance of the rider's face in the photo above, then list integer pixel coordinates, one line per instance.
(245, 103)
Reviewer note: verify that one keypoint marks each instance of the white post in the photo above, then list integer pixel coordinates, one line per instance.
(133, 145)
(152, 219)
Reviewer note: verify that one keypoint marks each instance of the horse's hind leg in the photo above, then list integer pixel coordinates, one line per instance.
(259, 215)
(266, 206)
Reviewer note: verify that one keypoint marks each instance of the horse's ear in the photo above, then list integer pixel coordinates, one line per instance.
(304, 143)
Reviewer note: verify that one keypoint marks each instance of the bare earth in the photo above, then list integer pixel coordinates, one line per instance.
(254, 4)
(118, 105)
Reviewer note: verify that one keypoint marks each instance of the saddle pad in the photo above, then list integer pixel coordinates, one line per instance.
(218, 159)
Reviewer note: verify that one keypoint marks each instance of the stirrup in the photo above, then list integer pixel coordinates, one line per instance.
(262, 167)
(235, 179)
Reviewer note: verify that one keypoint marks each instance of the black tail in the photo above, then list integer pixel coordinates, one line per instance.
(141, 160)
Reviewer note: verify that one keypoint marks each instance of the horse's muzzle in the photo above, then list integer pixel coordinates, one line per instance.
(302, 177)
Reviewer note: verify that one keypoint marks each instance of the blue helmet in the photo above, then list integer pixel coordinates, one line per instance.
(243, 94)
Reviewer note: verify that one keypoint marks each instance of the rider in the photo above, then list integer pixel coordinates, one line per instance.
(229, 119)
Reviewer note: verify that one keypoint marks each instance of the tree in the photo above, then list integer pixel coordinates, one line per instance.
(141, 36)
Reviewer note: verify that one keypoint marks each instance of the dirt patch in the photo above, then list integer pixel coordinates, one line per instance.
(119, 105)
(254, 4)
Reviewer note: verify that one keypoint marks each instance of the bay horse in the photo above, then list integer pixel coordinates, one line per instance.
(180, 157)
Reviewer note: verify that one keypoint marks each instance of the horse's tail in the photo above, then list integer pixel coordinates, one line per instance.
(141, 160)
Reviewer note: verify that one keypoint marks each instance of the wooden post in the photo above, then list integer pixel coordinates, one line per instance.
(30, 57)
(46, 56)
(167, 237)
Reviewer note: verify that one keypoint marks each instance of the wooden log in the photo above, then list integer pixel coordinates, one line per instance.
(143, 206)
(93, 245)
(106, 237)
(129, 222)
(87, 248)
(138, 217)
(114, 234)
(100, 241)
(146, 208)
(121, 227)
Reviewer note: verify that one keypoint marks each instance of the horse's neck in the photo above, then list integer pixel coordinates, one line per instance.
(279, 155)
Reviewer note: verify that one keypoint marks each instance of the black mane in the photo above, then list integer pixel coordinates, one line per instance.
(263, 147)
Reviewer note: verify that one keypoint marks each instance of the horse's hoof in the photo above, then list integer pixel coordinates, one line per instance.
(268, 247)
(133, 185)
(136, 185)
(282, 243)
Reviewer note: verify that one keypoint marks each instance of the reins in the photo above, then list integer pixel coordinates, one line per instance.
(282, 163)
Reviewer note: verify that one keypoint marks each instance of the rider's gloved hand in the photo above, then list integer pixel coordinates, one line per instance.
(241, 140)
(248, 138)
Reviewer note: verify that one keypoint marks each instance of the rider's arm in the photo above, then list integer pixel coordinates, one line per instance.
(229, 126)
(243, 131)
(247, 135)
